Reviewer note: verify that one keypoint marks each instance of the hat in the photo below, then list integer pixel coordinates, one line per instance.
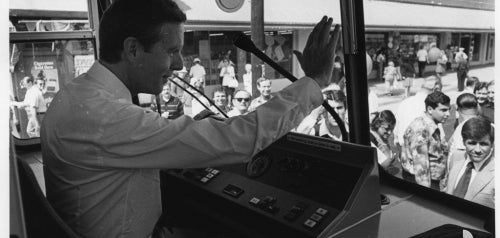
(196, 60)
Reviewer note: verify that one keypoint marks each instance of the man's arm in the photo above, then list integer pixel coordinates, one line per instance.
(420, 150)
(129, 137)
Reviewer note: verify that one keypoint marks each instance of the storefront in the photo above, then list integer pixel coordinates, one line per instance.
(213, 46)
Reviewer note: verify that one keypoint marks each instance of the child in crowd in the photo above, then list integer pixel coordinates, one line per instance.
(390, 74)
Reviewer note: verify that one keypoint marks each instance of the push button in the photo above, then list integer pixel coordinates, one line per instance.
(316, 217)
(233, 190)
(269, 200)
(214, 171)
(254, 201)
(310, 223)
(322, 211)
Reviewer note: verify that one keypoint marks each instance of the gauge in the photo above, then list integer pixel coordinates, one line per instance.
(258, 165)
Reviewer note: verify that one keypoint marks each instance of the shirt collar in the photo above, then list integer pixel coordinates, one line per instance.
(478, 165)
(109, 81)
(430, 122)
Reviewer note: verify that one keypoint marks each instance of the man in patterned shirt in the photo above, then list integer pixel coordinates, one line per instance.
(423, 156)
(264, 87)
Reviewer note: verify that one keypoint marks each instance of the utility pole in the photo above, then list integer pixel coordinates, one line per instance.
(257, 29)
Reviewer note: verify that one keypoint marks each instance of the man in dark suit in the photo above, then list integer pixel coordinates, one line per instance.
(471, 173)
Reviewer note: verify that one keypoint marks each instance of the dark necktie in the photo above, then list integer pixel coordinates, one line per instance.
(463, 183)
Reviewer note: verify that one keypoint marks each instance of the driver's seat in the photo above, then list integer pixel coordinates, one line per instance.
(40, 217)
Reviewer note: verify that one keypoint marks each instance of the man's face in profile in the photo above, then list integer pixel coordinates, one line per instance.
(440, 113)
(152, 66)
(166, 90)
(40, 83)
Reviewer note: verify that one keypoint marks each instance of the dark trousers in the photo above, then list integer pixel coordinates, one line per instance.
(448, 65)
(421, 68)
(461, 75)
(411, 178)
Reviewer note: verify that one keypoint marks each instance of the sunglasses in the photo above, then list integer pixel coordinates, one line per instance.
(243, 99)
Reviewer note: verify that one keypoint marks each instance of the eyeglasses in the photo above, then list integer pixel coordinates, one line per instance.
(242, 99)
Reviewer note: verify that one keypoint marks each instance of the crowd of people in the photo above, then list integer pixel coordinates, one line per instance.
(227, 99)
(411, 142)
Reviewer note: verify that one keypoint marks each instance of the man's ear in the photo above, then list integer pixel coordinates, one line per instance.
(131, 49)
(429, 109)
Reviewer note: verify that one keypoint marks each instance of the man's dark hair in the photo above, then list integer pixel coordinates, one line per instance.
(480, 85)
(471, 81)
(490, 83)
(476, 128)
(132, 18)
(385, 116)
(467, 101)
(219, 90)
(336, 95)
(435, 98)
(29, 79)
(260, 80)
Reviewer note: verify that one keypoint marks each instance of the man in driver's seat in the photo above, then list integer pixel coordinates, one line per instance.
(102, 153)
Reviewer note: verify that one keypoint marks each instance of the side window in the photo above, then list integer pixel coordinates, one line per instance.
(49, 45)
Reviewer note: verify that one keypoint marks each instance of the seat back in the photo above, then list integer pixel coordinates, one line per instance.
(40, 217)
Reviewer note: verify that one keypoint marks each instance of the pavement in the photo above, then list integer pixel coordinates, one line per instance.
(387, 102)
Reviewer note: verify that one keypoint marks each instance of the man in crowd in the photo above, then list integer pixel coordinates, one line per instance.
(220, 100)
(197, 73)
(102, 153)
(471, 172)
(462, 68)
(470, 84)
(264, 87)
(34, 104)
(423, 156)
(241, 102)
(321, 123)
(423, 59)
(467, 108)
(411, 108)
(170, 106)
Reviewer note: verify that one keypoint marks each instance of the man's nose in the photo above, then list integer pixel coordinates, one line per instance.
(177, 62)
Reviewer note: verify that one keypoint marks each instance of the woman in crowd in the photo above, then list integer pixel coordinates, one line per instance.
(381, 130)
(488, 109)
(481, 92)
(441, 64)
(229, 82)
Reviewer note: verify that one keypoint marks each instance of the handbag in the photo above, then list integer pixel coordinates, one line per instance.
(233, 83)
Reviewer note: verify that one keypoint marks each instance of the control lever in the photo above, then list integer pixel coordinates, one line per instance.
(243, 42)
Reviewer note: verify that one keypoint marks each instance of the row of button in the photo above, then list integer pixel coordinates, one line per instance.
(202, 175)
(316, 218)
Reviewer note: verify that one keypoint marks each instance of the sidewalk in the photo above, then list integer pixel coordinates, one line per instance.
(387, 102)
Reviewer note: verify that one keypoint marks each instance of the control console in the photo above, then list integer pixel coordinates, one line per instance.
(301, 186)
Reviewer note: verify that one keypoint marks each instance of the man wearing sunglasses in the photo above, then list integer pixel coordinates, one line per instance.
(241, 101)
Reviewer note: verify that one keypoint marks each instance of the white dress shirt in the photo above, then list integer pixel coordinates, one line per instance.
(102, 154)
